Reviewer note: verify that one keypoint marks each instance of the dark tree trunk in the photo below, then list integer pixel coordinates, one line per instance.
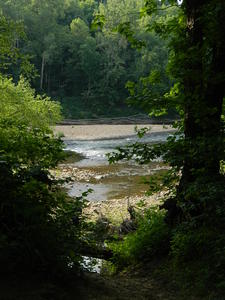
(42, 71)
(204, 94)
(204, 90)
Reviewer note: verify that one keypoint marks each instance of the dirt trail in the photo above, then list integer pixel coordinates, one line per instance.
(91, 286)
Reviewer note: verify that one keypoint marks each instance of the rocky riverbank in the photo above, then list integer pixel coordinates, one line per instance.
(129, 190)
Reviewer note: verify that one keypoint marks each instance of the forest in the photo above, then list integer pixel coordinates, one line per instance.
(79, 59)
(84, 68)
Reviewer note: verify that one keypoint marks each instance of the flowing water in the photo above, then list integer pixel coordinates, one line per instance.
(111, 181)
(95, 151)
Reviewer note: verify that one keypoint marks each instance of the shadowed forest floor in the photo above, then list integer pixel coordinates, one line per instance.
(92, 286)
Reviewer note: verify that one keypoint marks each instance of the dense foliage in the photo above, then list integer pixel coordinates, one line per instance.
(149, 240)
(40, 225)
(196, 200)
(88, 66)
(84, 67)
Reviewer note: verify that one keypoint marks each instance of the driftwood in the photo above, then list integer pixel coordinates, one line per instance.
(128, 225)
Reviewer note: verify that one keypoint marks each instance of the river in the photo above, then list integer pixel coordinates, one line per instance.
(110, 181)
(94, 151)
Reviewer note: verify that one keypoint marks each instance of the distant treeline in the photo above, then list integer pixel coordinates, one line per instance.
(86, 69)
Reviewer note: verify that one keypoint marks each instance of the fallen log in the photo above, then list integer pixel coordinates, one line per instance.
(96, 252)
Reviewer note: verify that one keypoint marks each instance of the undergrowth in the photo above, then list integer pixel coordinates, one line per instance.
(151, 238)
(194, 254)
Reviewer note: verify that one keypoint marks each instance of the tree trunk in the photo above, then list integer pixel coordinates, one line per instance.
(42, 71)
(203, 81)
(49, 82)
(204, 99)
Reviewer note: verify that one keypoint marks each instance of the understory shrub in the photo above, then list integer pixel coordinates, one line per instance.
(150, 239)
(40, 226)
(197, 255)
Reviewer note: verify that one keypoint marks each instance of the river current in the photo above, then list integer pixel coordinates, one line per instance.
(94, 151)
(111, 182)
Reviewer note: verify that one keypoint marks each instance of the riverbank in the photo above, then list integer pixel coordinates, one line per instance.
(95, 132)
(112, 193)
(115, 187)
